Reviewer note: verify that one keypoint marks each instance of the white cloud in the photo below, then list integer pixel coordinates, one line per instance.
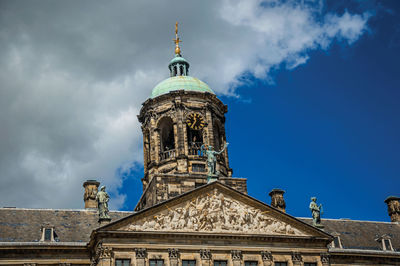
(74, 75)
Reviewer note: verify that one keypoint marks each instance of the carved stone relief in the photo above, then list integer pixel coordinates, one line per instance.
(236, 254)
(325, 258)
(140, 253)
(266, 255)
(173, 253)
(297, 258)
(101, 252)
(214, 213)
(205, 254)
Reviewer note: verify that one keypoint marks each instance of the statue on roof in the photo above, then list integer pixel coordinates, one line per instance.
(102, 199)
(316, 212)
(212, 160)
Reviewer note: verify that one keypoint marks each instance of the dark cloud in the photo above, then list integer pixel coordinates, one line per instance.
(74, 73)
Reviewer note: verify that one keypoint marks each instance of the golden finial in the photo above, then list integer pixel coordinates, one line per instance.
(177, 40)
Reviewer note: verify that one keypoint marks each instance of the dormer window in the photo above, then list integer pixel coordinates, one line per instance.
(386, 242)
(48, 234)
(336, 243)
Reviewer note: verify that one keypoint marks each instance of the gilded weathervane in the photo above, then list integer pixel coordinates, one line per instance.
(177, 40)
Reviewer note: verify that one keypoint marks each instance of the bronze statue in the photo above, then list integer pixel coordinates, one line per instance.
(102, 199)
(212, 160)
(316, 212)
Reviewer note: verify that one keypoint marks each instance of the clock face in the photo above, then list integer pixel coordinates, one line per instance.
(195, 121)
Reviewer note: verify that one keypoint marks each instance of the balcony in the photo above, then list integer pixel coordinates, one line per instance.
(195, 148)
(167, 154)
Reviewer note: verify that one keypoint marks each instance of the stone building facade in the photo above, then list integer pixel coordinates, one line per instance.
(183, 219)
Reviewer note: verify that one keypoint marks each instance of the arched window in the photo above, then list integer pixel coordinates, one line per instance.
(181, 70)
(167, 138)
(218, 135)
(195, 140)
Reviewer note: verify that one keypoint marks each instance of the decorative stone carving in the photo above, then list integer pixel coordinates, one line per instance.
(236, 254)
(173, 253)
(325, 258)
(214, 213)
(266, 256)
(141, 253)
(101, 252)
(297, 258)
(205, 254)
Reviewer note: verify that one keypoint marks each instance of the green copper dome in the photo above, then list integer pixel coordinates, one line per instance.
(180, 83)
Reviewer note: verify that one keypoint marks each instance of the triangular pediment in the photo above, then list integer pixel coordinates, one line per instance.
(214, 208)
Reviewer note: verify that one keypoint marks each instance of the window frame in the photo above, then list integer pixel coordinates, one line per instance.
(220, 262)
(183, 261)
(156, 260)
(122, 259)
(250, 263)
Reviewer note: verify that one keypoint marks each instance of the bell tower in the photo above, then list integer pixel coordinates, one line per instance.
(182, 117)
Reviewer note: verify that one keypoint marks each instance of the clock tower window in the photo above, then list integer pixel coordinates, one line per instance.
(167, 138)
(195, 140)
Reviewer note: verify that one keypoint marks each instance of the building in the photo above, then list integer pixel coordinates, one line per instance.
(183, 217)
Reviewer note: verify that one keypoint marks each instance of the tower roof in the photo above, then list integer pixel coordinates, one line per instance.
(179, 75)
(180, 83)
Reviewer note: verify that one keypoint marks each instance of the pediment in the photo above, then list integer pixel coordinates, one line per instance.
(215, 208)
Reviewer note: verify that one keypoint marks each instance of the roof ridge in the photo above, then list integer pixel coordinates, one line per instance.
(48, 209)
(348, 220)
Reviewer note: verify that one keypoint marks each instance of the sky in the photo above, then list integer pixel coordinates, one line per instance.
(312, 89)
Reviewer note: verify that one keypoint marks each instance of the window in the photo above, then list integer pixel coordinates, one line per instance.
(122, 262)
(167, 138)
(47, 234)
(197, 167)
(250, 263)
(309, 264)
(336, 242)
(219, 262)
(387, 244)
(188, 263)
(280, 263)
(156, 262)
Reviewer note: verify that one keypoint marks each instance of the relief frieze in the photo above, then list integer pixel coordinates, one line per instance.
(214, 212)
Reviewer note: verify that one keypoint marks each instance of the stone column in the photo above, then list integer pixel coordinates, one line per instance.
(297, 259)
(277, 200)
(236, 257)
(173, 256)
(141, 254)
(267, 258)
(157, 145)
(393, 205)
(91, 188)
(205, 256)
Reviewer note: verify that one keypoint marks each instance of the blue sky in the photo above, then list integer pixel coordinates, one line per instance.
(329, 128)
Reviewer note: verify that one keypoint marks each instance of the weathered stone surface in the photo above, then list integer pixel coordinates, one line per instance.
(214, 211)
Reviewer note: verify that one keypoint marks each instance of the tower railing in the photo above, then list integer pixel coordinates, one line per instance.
(164, 155)
(195, 148)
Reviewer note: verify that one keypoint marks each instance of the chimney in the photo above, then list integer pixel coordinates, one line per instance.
(277, 200)
(91, 187)
(393, 208)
